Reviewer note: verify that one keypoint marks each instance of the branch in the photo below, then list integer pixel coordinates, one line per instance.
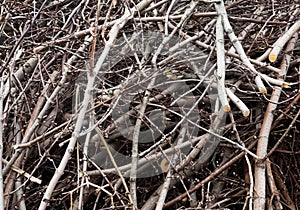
(209, 178)
(91, 78)
(1, 142)
(239, 103)
(221, 65)
(279, 44)
(262, 145)
(237, 45)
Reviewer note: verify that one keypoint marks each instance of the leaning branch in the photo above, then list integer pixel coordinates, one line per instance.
(221, 64)
(279, 44)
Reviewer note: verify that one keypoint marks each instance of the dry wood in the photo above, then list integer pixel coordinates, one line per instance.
(203, 57)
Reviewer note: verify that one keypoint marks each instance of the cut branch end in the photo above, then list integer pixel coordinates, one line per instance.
(263, 90)
(227, 108)
(286, 85)
(246, 113)
(272, 57)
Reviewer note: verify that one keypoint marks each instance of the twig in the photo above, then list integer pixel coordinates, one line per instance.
(135, 141)
(91, 78)
(192, 38)
(251, 191)
(209, 178)
(84, 165)
(22, 37)
(151, 157)
(283, 114)
(24, 173)
(27, 68)
(41, 114)
(44, 136)
(262, 28)
(238, 47)
(284, 134)
(272, 185)
(264, 65)
(95, 36)
(246, 30)
(282, 188)
(166, 184)
(114, 164)
(167, 16)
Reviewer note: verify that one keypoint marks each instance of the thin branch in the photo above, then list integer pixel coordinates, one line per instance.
(166, 184)
(279, 44)
(239, 103)
(220, 74)
(207, 179)
(236, 43)
(135, 142)
(1, 142)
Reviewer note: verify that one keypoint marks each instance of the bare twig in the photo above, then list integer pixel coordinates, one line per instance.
(24, 173)
(166, 185)
(135, 139)
(273, 187)
(251, 191)
(209, 178)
